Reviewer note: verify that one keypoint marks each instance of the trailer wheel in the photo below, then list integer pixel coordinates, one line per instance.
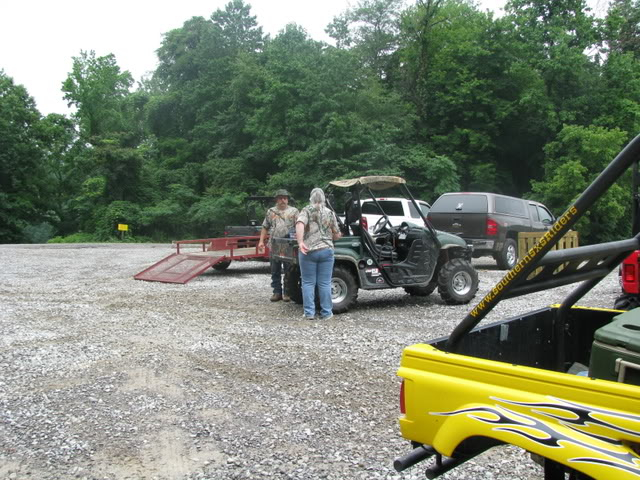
(344, 289)
(293, 284)
(508, 257)
(422, 291)
(457, 282)
(627, 301)
(220, 266)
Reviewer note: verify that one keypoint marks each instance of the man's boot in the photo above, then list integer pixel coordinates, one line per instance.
(276, 297)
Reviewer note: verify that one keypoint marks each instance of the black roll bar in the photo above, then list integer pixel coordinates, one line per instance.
(533, 259)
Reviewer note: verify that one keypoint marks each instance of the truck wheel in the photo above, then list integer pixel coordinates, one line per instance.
(344, 289)
(293, 285)
(422, 291)
(626, 302)
(222, 265)
(508, 258)
(457, 282)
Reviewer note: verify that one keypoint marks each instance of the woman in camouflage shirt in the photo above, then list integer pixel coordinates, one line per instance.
(316, 229)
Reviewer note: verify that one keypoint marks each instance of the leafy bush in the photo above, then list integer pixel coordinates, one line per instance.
(39, 233)
(75, 238)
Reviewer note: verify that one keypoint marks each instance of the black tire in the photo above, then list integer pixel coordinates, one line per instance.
(293, 285)
(457, 282)
(422, 291)
(344, 289)
(220, 266)
(508, 257)
(627, 301)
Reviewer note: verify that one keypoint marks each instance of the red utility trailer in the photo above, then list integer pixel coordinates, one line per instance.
(182, 266)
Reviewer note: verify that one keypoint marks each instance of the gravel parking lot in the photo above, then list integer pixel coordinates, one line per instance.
(106, 377)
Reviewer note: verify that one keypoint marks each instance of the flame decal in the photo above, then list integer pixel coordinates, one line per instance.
(580, 420)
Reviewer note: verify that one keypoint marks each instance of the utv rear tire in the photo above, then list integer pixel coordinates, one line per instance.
(422, 291)
(508, 257)
(627, 301)
(344, 289)
(457, 282)
(222, 265)
(293, 284)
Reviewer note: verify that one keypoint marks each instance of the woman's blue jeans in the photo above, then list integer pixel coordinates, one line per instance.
(316, 269)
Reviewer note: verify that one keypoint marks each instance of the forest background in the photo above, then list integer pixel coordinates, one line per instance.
(534, 103)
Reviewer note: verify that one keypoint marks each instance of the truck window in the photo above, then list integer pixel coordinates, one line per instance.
(465, 203)
(534, 213)
(413, 211)
(510, 206)
(391, 208)
(545, 215)
(370, 208)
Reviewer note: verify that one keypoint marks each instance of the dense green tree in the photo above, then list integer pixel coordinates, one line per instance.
(109, 118)
(572, 161)
(622, 27)
(620, 88)
(372, 29)
(318, 118)
(22, 176)
(457, 73)
(97, 88)
(554, 35)
(61, 148)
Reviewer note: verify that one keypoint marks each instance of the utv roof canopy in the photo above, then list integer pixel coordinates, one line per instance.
(375, 182)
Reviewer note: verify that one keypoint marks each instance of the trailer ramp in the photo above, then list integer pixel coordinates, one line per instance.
(179, 268)
(184, 265)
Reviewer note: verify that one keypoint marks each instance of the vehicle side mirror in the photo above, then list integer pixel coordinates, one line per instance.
(548, 222)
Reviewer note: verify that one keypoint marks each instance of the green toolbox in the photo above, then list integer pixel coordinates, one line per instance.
(615, 354)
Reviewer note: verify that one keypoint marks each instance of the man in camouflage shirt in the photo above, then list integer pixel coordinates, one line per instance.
(278, 222)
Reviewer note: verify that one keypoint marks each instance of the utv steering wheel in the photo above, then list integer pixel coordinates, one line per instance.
(380, 224)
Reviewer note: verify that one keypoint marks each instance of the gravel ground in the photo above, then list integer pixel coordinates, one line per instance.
(106, 377)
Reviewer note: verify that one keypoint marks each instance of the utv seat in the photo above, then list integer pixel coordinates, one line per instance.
(383, 252)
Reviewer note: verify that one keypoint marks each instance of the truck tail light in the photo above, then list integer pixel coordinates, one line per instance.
(364, 223)
(629, 272)
(492, 227)
(403, 409)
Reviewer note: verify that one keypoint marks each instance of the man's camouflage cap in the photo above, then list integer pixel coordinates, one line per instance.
(281, 193)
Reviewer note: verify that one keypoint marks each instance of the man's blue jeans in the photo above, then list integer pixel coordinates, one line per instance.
(278, 268)
(316, 269)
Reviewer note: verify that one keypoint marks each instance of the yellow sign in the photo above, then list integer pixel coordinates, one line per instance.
(123, 227)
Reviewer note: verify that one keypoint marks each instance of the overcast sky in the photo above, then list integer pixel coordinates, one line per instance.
(38, 38)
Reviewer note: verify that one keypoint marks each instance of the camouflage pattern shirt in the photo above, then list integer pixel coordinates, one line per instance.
(320, 225)
(278, 222)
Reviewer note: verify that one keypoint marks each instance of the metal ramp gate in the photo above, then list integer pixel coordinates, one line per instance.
(180, 267)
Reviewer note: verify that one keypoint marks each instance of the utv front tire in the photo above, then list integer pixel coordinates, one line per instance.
(344, 289)
(457, 282)
(508, 257)
(422, 291)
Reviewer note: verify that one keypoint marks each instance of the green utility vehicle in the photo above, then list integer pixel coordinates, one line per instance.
(414, 257)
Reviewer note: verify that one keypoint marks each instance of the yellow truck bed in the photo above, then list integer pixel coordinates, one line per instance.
(458, 404)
